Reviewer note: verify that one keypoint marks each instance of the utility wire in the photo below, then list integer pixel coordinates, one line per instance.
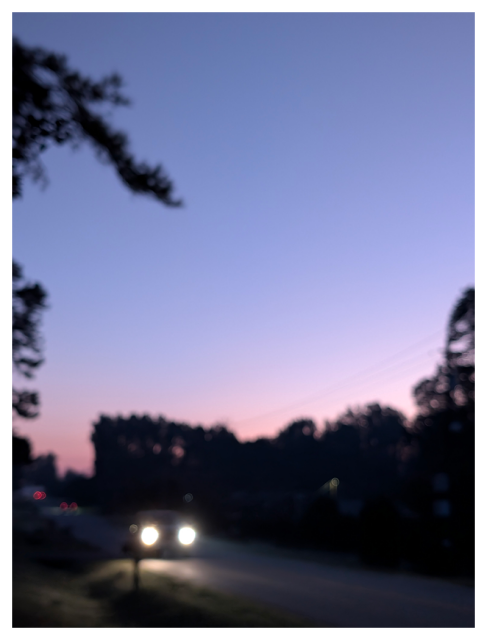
(344, 383)
(339, 385)
(398, 375)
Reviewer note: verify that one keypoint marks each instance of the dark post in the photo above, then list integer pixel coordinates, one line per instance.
(136, 574)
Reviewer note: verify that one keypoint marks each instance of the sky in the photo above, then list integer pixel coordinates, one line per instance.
(326, 163)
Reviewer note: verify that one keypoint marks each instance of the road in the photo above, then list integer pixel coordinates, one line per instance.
(327, 595)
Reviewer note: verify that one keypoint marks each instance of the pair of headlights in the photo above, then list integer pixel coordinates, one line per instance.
(149, 535)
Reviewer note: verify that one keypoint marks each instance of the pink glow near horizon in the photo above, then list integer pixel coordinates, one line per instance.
(69, 439)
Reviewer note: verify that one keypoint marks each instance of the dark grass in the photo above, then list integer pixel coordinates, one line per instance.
(68, 590)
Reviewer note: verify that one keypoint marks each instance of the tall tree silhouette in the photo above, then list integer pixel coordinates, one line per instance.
(444, 435)
(454, 381)
(28, 300)
(53, 104)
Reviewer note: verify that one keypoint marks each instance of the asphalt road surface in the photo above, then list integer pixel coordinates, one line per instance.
(327, 595)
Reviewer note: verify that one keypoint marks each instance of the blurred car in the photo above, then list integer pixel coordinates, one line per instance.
(159, 534)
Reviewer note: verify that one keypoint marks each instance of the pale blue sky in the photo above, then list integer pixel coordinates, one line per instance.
(326, 162)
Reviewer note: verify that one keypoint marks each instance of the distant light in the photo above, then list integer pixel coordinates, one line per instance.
(63, 506)
(73, 506)
(133, 528)
(186, 535)
(177, 452)
(335, 482)
(149, 535)
(156, 448)
(188, 497)
(43, 495)
(37, 495)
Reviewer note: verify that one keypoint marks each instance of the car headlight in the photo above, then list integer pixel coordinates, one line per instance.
(149, 535)
(186, 535)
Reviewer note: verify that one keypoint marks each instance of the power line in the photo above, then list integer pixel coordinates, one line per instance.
(344, 383)
(398, 375)
(339, 385)
(393, 366)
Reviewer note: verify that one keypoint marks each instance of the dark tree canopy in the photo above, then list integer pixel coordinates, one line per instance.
(460, 348)
(297, 431)
(28, 300)
(21, 451)
(454, 381)
(52, 104)
(444, 432)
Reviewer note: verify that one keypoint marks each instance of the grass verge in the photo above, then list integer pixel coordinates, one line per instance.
(50, 592)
